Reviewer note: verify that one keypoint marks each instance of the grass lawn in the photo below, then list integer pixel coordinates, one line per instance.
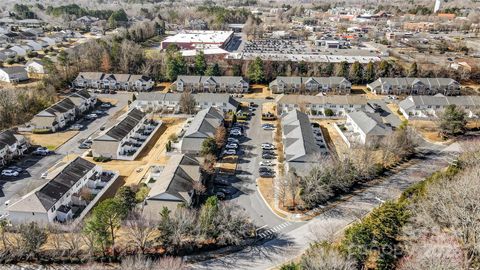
(51, 141)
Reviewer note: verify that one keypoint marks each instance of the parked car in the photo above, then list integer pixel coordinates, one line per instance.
(268, 156)
(268, 146)
(44, 175)
(267, 174)
(269, 97)
(106, 105)
(268, 127)
(76, 127)
(85, 146)
(231, 146)
(41, 151)
(220, 195)
(230, 152)
(99, 112)
(9, 173)
(235, 133)
(266, 163)
(268, 152)
(91, 116)
(15, 168)
(264, 169)
(232, 140)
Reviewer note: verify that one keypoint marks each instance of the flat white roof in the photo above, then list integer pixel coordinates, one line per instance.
(200, 36)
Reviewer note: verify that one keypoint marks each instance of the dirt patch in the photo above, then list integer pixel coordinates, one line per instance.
(396, 110)
(334, 141)
(259, 91)
(51, 141)
(428, 130)
(265, 187)
(228, 164)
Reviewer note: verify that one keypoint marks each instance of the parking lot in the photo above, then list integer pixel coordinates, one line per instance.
(12, 188)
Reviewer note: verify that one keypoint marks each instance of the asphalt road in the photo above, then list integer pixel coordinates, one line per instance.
(293, 242)
(12, 188)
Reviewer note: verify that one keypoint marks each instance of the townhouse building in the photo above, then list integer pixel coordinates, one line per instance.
(212, 84)
(364, 128)
(431, 107)
(13, 74)
(203, 125)
(127, 82)
(73, 188)
(310, 85)
(321, 106)
(12, 145)
(415, 86)
(126, 139)
(170, 102)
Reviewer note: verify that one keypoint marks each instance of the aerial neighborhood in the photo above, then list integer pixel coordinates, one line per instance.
(239, 134)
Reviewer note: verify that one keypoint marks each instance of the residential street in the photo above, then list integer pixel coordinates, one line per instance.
(292, 241)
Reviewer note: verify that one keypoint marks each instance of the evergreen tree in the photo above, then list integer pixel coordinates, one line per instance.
(413, 71)
(341, 70)
(176, 65)
(453, 121)
(237, 70)
(356, 73)
(369, 75)
(329, 69)
(200, 63)
(384, 69)
(255, 72)
(213, 70)
(207, 217)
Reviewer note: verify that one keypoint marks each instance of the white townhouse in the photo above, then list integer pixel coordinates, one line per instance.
(431, 107)
(83, 100)
(312, 85)
(211, 84)
(170, 102)
(364, 128)
(415, 86)
(105, 81)
(126, 139)
(66, 196)
(11, 145)
(203, 125)
(319, 106)
(35, 66)
(55, 117)
(20, 50)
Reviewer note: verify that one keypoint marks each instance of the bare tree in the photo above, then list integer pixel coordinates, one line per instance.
(326, 257)
(220, 136)
(293, 184)
(187, 103)
(142, 263)
(140, 231)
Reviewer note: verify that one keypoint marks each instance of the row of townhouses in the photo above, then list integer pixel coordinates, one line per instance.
(170, 102)
(321, 105)
(15, 74)
(126, 139)
(127, 82)
(302, 145)
(212, 84)
(203, 125)
(72, 190)
(364, 128)
(431, 107)
(11, 146)
(64, 112)
(304, 85)
(415, 86)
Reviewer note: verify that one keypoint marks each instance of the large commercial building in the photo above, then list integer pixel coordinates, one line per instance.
(198, 39)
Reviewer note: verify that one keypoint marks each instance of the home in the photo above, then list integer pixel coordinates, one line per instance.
(321, 106)
(126, 139)
(310, 85)
(363, 128)
(113, 81)
(302, 145)
(174, 186)
(35, 67)
(83, 100)
(170, 102)
(73, 188)
(414, 86)
(13, 74)
(35, 45)
(431, 107)
(203, 125)
(212, 84)
(20, 50)
(47, 41)
(11, 145)
(55, 117)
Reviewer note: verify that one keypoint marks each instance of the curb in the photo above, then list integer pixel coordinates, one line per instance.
(269, 207)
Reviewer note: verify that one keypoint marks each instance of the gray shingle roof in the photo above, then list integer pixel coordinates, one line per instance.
(204, 123)
(299, 141)
(127, 124)
(370, 123)
(412, 101)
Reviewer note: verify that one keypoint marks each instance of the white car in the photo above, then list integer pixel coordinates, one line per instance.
(266, 163)
(230, 152)
(44, 175)
(91, 116)
(9, 173)
(231, 146)
(235, 132)
(268, 146)
(232, 140)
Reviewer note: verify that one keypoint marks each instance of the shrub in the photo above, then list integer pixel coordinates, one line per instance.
(41, 131)
(329, 113)
(101, 159)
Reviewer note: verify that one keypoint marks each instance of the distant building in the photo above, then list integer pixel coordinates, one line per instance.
(106, 81)
(414, 86)
(431, 107)
(312, 85)
(174, 186)
(203, 125)
(212, 84)
(35, 66)
(170, 102)
(301, 145)
(197, 39)
(126, 139)
(64, 197)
